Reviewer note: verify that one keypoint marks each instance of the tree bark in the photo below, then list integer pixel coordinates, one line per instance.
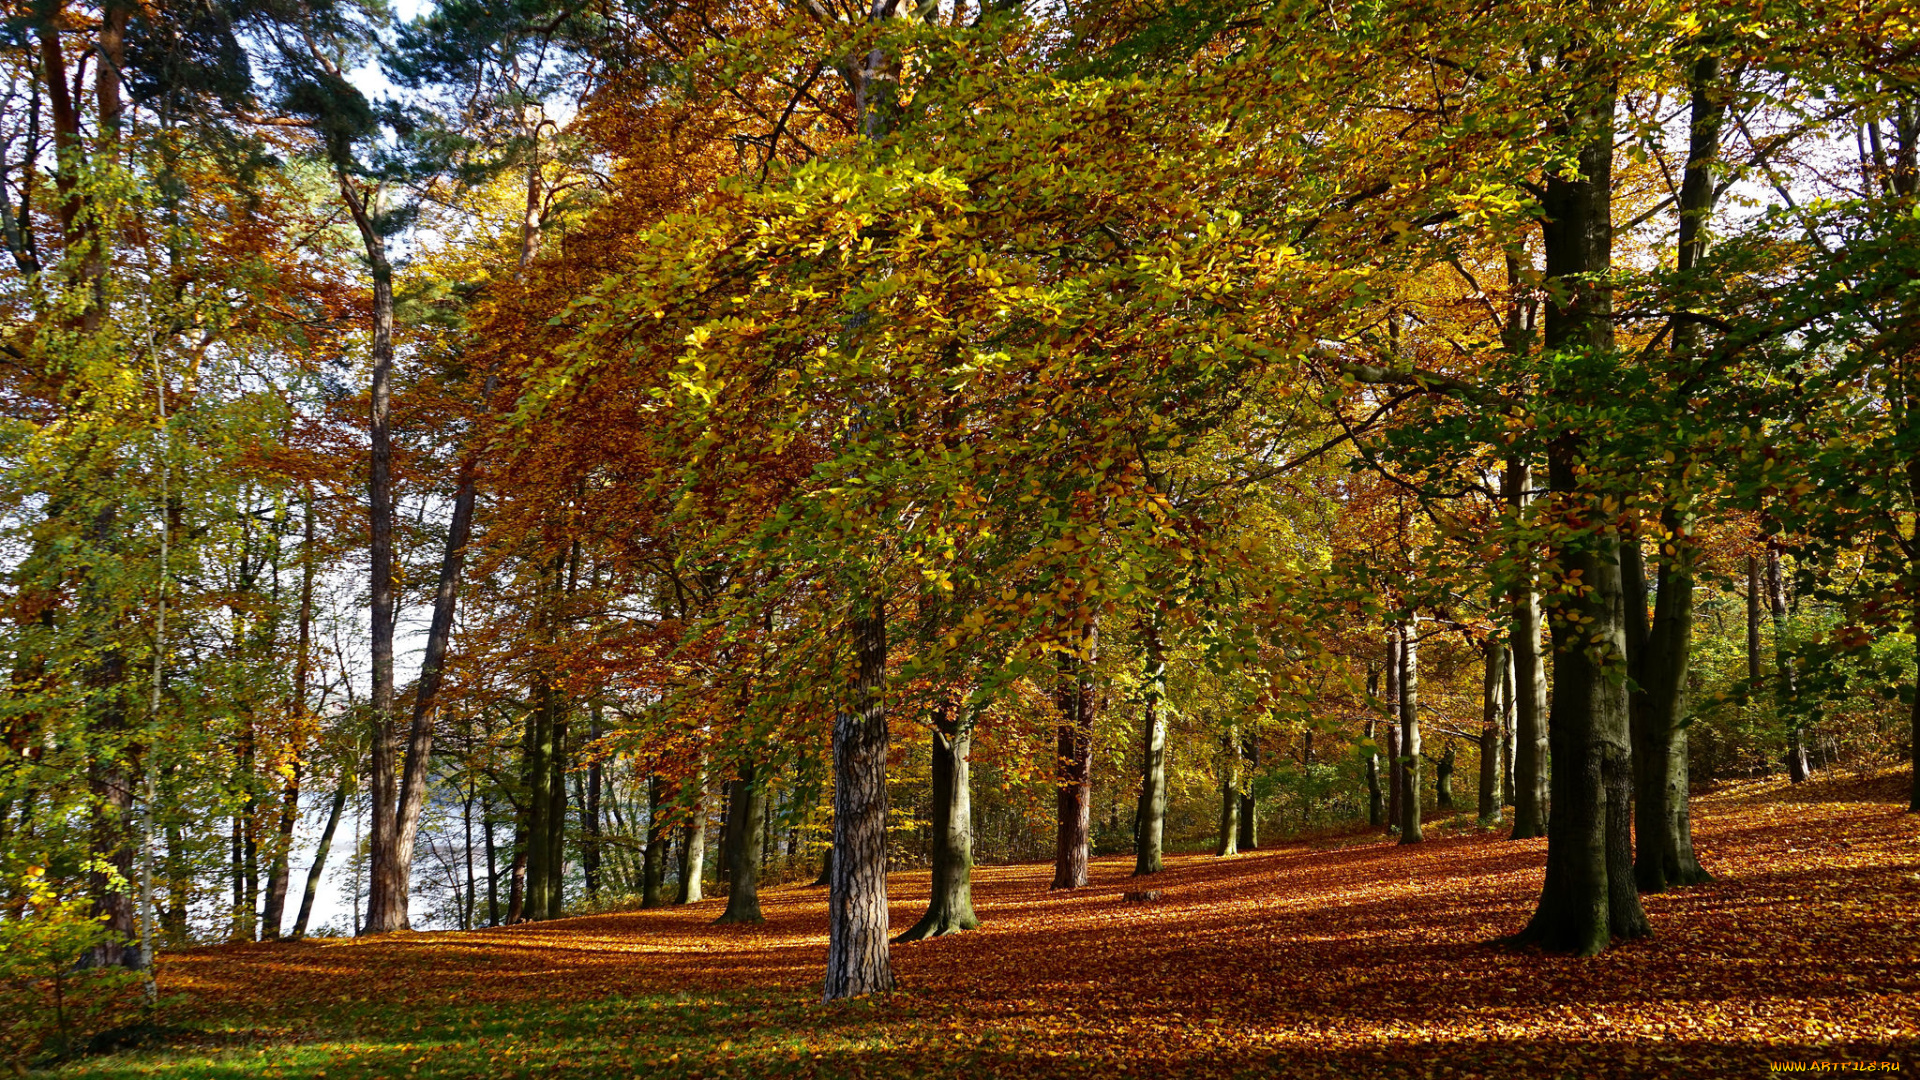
(1798, 768)
(1589, 897)
(745, 838)
(858, 961)
(1074, 801)
(950, 908)
(386, 887)
(1376, 802)
(1229, 795)
(1491, 709)
(693, 848)
(1150, 818)
(1410, 733)
(1529, 683)
(320, 857)
(1394, 763)
(1249, 825)
(653, 865)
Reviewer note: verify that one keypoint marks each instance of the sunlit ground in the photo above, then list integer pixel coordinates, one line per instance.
(1354, 959)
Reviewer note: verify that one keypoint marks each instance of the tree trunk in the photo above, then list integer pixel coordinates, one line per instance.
(744, 841)
(1589, 897)
(590, 816)
(858, 961)
(517, 872)
(1491, 710)
(1395, 765)
(535, 845)
(1074, 801)
(653, 865)
(1529, 683)
(557, 815)
(1229, 795)
(693, 847)
(1249, 826)
(950, 909)
(493, 867)
(1410, 733)
(1754, 677)
(386, 889)
(320, 857)
(1784, 688)
(1663, 855)
(1376, 803)
(1150, 818)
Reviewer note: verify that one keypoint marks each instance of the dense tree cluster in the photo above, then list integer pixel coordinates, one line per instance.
(844, 437)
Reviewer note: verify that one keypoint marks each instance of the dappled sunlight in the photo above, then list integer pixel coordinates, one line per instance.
(1322, 959)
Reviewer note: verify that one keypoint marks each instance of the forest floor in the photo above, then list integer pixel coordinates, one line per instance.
(1344, 956)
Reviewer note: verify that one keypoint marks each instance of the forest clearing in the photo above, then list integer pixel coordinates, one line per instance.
(944, 537)
(1340, 958)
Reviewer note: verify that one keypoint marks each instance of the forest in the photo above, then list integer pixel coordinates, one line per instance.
(913, 537)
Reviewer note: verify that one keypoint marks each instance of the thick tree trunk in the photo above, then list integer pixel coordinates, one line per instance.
(1529, 683)
(1754, 676)
(1506, 731)
(950, 909)
(745, 838)
(1150, 818)
(1492, 708)
(1589, 896)
(1410, 733)
(858, 961)
(1074, 801)
(1658, 660)
(277, 868)
(1229, 795)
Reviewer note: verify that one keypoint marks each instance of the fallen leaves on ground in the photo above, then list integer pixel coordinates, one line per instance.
(1361, 958)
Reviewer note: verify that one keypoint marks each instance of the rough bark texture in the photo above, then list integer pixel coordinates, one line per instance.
(950, 907)
(1376, 801)
(1410, 734)
(1150, 818)
(1589, 897)
(1074, 802)
(1529, 685)
(858, 961)
(744, 841)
